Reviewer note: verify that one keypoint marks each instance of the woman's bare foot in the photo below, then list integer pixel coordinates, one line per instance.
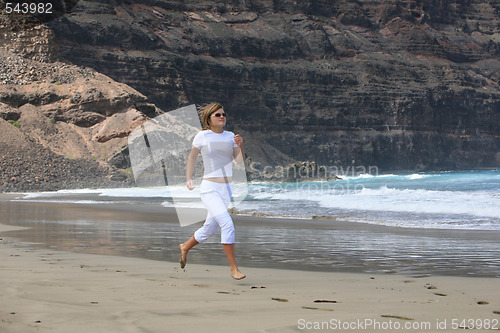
(237, 275)
(183, 259)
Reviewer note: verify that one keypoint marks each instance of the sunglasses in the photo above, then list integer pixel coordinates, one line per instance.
(218, 115)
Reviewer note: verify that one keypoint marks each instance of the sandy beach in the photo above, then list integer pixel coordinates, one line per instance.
(59, 291)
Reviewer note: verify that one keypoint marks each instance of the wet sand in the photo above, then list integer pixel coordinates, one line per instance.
(58, 291)
(152, 232)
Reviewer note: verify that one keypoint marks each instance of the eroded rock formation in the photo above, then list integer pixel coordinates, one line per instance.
(61, 126)
(396, 84)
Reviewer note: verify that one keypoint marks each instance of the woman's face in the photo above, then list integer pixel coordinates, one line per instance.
(218, 118)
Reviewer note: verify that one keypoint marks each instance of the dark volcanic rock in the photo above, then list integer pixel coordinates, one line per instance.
(9, 113)
(28, 166)
(399, 85)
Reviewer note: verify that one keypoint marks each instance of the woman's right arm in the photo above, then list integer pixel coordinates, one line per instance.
(190, 167)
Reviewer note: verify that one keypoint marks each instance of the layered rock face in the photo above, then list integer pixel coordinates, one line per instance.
(400, 85)
(61, 126)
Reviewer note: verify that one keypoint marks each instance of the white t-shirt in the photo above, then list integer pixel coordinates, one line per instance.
(217, 152)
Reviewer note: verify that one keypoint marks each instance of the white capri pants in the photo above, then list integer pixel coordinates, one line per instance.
(216, 198)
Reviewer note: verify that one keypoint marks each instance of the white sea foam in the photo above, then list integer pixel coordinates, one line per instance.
(132, 192)
(366, 176)
(417, 176)
(482, 204)
(485, 204)
(469, 200)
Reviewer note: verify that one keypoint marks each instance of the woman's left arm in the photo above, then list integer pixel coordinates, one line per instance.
(238, 153)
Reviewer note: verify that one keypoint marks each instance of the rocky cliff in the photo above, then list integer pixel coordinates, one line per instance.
(400, 85)
(61, 126)
(391, 85)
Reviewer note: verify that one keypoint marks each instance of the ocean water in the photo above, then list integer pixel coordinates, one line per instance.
(442, 200)
(445, 223)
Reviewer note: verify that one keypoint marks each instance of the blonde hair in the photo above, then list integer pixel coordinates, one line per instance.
(206, 112)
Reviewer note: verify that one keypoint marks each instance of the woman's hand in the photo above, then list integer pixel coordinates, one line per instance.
(189, 184)
(238, 153)
(238, 140)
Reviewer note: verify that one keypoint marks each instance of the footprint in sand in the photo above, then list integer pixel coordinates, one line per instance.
(227, 293)
(318, 309)
(396, 317)
(483, 303)
(283, 300)
(440, 294)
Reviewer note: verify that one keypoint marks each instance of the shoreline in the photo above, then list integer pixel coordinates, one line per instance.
(318, 245)
(58, 291)
(170, 213)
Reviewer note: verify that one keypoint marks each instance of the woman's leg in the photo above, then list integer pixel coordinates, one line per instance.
(184, 248)
(226, 224)
(230, 254)
(209, 228)
(217, 203)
